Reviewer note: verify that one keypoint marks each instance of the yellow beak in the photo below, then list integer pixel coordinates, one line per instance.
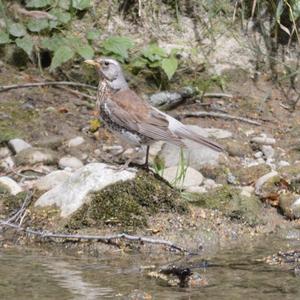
(93, 63)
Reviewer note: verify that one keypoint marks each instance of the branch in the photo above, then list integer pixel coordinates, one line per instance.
(103, 239)
(217, 95)
(218, 115)
(5, 88)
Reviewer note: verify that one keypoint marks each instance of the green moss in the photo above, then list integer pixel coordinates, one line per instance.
(11, 203)
(228, 200)
(128, 204)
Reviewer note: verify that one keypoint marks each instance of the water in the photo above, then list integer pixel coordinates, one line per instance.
(233, 273)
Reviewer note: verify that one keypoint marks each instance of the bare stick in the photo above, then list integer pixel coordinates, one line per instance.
(77, 93)
(5, 88)
(104, 239)
(217, 95)
(218, 115)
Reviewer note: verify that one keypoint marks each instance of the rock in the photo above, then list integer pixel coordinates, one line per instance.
(52, 142)
(209, 184)
(4, 152)
(258, 154)
(10, 185)
(263, 180)
(196, 189)
(235, 148)
(290, 205)
(283, 163)
(114, 149)
(7, 163)
(75, 142)
(268, 151)
(70, 162)
(71, 195)
(191, 177)
(17, 145)
(247, 191)
(34, 155)
(263, 140)
(51, 180)
(138, 295)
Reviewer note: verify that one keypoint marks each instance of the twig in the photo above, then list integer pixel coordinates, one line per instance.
(217, 95)
(104, 239)
(218, 115)
(77, 93)
(5, 88)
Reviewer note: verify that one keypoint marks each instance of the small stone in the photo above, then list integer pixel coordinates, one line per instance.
(247, 191)
(258, 154)
(191, 177)
(75, 142)
(50, 109)
(70, 162)
(7, 163)
(51, 180)
(209, 183)
(10, 185)
(268, 151)
(263, 140)
(196, 189)
(52, 142)
(262, 180)
(283, 163)
(34, 155)
(296, 208)
(114, 150)
(4, 152)
(17, 145)
(97, 152)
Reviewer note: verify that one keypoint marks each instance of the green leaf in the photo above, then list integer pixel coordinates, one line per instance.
(117, 45)
(38, 3)
(93, 35)
(139, 63)
(279, 10)
(25, 43)
(64, 4)
(62, 16)
(86, 52)
(37, 25)
(61, 55)
(169, 65)
(54, 42)
(4, 38)
(81, 4)
(153, 52)
(16, 29)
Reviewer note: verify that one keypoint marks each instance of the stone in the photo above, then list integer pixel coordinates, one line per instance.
(247, 191)
(76, 141)
(34, 155)
(210, 183)
(72, 194)
(263, 140)
(4, 152)
(283, 163)
(10, 185)
(289, 204)
(17, 145)
(237, 148)
(51, 180)
(7, 163)
(52, 142)
(262, 180)
(196, 189)
(192, 177)
(70, 162)
(268, 151)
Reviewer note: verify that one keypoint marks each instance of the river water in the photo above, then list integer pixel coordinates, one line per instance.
(232, 273)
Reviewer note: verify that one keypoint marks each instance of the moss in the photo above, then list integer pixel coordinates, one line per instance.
(249, 175)
(128, 204)
(10, 203)
(228, 200)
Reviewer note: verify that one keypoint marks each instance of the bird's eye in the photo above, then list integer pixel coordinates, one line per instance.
(106, 63)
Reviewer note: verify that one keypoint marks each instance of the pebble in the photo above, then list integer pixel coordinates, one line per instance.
(17, 145)
(283, 163)
(75, 142)
(34, 155)
(7, 163)
(247, 191)
(70, 162)
(262, 180)
(263, 140)
(10, 185)
(192, 177)
(196, 189)
(268, 151)
(258, 154)
(4, 152)
(209, 184)
(114, 150)
(296, 208)
(51, 180)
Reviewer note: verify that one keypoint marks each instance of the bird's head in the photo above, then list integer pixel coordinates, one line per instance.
(111, 71)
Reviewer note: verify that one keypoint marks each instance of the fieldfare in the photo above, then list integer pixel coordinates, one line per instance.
(124, 113)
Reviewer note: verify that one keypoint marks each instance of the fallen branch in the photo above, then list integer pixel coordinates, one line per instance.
(218, 115)
(5, 88)
(217, 95)
(104, 239)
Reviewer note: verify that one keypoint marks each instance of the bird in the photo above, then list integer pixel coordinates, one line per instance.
(134, 120)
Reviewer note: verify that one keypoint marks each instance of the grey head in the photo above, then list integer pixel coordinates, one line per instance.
(111, 71)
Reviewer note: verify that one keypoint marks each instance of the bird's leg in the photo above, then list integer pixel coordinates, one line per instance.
(146, 164)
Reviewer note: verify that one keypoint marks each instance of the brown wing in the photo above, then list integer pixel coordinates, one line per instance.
(130, 111)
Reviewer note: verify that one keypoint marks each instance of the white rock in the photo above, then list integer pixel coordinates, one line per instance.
(34, 155)
(283, 163)
(258, 154)
(192, 177)
(7, 163)
(268, 151)
(114, 149)
(72, 194)
(196, 189)
(262, 180)
(263, 140)
(155, 148)
(210, 184)
(51, 180)
(247, 191)
(18, 145)
(4, 152)
(75, 142)
(9, 184)
(70, 162)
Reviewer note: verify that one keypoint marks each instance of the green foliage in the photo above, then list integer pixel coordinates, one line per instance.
(117, 46)
(48, 32)
(156, 60)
